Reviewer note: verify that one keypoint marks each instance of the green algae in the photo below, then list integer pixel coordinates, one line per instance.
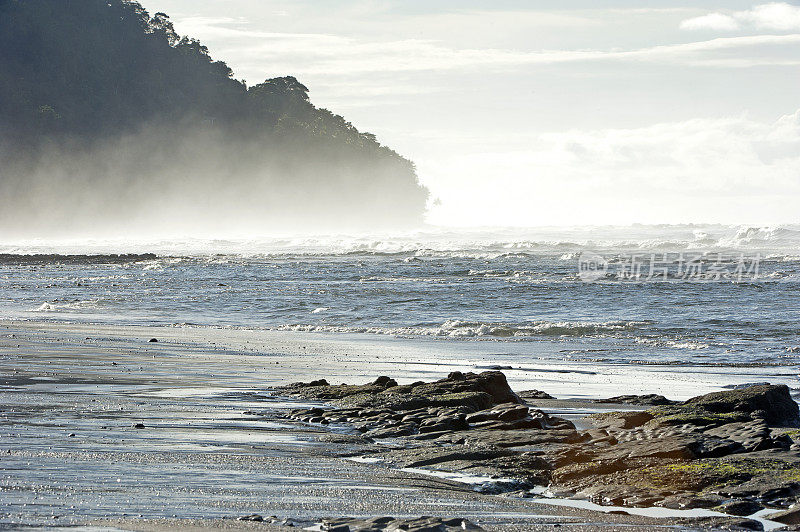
(698, 475)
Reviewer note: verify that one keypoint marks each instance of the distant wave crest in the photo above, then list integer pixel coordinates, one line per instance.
(431, 243)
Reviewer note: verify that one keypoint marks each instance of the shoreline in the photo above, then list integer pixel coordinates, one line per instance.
(73, 394)
(343, 357)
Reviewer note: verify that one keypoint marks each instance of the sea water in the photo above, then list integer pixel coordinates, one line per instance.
(454, 286)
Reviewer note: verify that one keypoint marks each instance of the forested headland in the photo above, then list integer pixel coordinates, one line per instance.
(107, 114)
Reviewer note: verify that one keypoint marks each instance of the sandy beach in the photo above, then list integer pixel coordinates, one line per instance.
(100, 422)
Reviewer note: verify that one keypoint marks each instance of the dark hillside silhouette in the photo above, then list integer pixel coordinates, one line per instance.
(103, 97)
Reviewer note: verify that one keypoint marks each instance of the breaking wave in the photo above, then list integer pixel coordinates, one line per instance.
(56, 306)
(466, 329)
(432, 243)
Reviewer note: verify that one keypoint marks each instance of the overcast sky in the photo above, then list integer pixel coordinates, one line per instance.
(547, 113)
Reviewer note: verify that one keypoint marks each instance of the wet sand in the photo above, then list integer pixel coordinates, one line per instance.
(98, 423)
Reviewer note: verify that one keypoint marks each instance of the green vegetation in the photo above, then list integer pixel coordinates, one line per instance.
(793, 434)
(713, 474)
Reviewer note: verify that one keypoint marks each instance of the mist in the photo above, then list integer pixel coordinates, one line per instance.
(197, 180)
(125, 128)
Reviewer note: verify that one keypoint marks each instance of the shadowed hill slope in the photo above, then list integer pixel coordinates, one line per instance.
(107, 113)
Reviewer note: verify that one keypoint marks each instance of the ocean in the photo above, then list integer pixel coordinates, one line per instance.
(660, 295)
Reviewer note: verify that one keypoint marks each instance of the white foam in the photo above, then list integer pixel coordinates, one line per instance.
(365, 459)
(652, 511)
(473, 480)
(67, 305)
(465, 329)
(439, 242)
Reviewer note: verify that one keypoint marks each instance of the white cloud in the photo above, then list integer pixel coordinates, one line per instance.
(712, 21)
(775, 16)
(656, 174)
(328, 54)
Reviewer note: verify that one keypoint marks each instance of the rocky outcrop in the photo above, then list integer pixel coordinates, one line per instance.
(468, 390)
(726, 450)
(773, 404)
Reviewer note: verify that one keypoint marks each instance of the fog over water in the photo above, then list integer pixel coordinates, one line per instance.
(195, 181)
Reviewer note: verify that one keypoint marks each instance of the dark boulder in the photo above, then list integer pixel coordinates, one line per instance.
(385, 382)
(493, 383)
(773, 404)
(740, 507)
(535, 394)
(643, 400)
(787, 517)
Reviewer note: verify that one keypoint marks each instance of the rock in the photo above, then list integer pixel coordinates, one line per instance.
(492, 383)
(779, 493)
(774, 404)
(701, 453)
(253, 517)
(751, 435)
(689, 502)
(153, 340)
(620, 420)
(439, 456)
(405, 429)
(744, 385)
(380, 520)
(609, 495)
(351, 439)
(703, 446)
(439, 424)
(469, 390)
(740, 507)
(650, 399)
(520, 438)
(787, 517)
(601, 436)
(535, 394)
(504, 412)
(335, 528)
(512, 413)
(725, 523)
(138, 425)
(385, 382)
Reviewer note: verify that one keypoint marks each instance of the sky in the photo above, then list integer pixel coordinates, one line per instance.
(530, 113)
